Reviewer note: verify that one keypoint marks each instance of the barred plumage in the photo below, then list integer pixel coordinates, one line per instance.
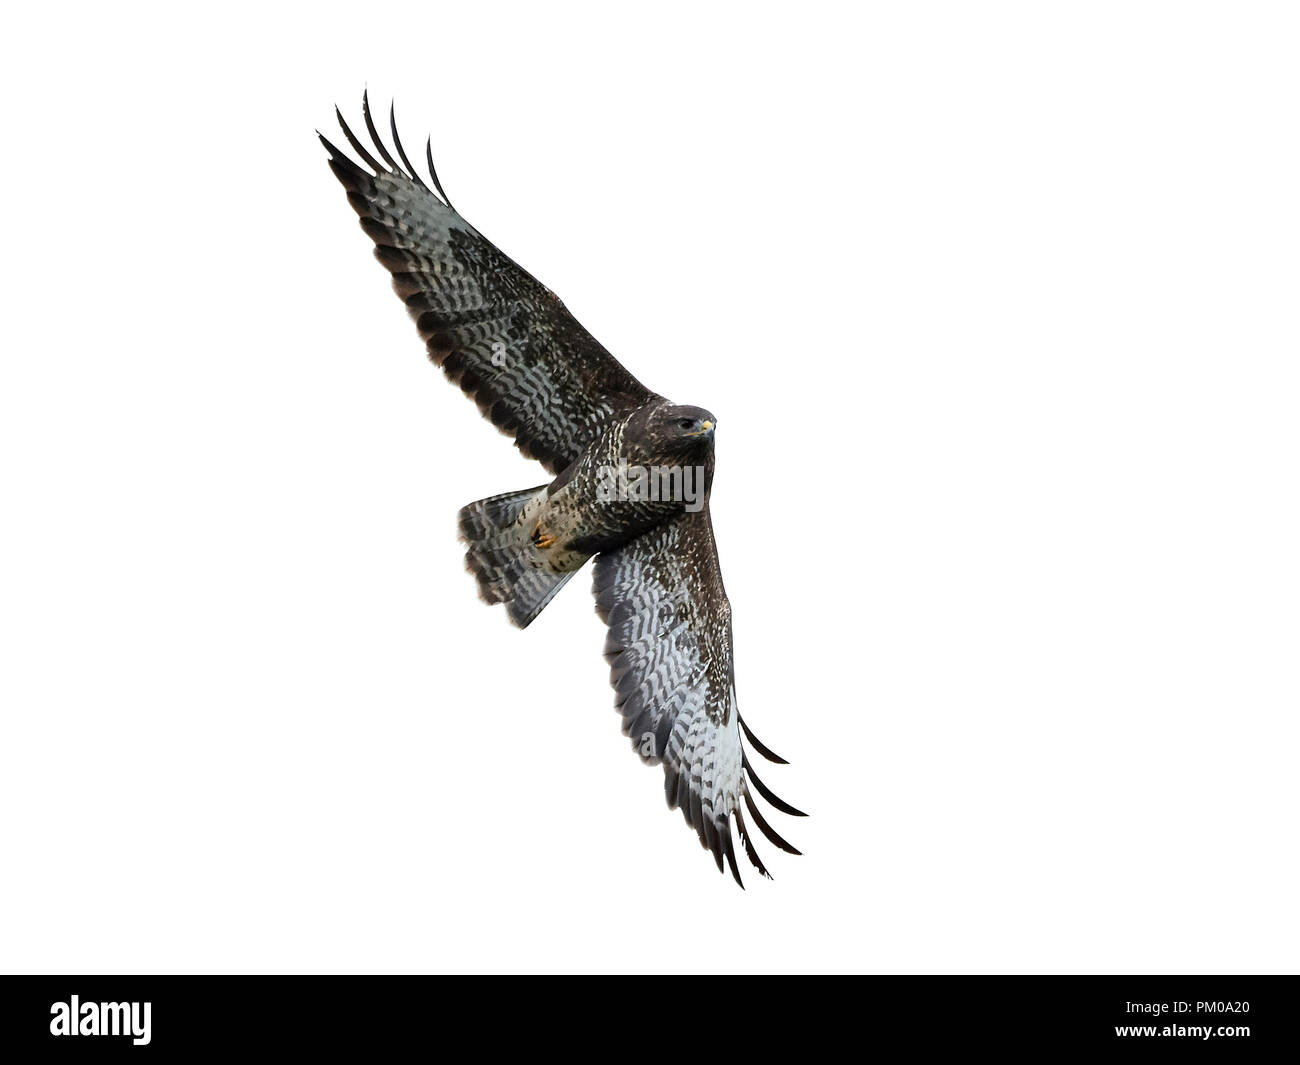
(540, 377)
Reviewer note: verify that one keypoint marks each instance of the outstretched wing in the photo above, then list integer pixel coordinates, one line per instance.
(669, 650)
(494, 329)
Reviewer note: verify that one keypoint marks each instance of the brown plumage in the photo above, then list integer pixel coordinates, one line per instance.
(632, 475)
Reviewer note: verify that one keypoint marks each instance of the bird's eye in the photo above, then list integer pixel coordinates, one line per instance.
(686, 423)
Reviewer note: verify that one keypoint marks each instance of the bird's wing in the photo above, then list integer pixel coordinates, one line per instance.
(669, 650)
(495, 330)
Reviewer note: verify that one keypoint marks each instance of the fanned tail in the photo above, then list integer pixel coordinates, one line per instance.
(503, 557)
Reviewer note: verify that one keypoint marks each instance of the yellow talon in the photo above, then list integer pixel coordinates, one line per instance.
(543, 540)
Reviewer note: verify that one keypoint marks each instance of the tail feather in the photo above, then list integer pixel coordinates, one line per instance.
(508, 566)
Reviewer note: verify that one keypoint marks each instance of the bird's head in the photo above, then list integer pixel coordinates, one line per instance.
(680, 430)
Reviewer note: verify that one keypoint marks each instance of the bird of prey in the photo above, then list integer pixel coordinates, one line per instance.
(632, 472)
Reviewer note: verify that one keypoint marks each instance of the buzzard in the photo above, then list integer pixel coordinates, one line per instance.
(632, 472)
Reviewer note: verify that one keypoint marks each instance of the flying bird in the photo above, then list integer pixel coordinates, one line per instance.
(631, 474)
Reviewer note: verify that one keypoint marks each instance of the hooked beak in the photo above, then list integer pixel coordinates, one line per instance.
(706, 429)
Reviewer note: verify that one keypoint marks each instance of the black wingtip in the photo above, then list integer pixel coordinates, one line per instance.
(411, 172)
(433, 172)
(405, 168)
(709, 836)
(729, 849)
(754, 742)
(715, 845)
(750, 852)
(772, 836)
(767, 792)
(374, 133)
(357, 146)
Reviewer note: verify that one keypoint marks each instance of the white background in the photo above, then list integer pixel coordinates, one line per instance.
(997, 307)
